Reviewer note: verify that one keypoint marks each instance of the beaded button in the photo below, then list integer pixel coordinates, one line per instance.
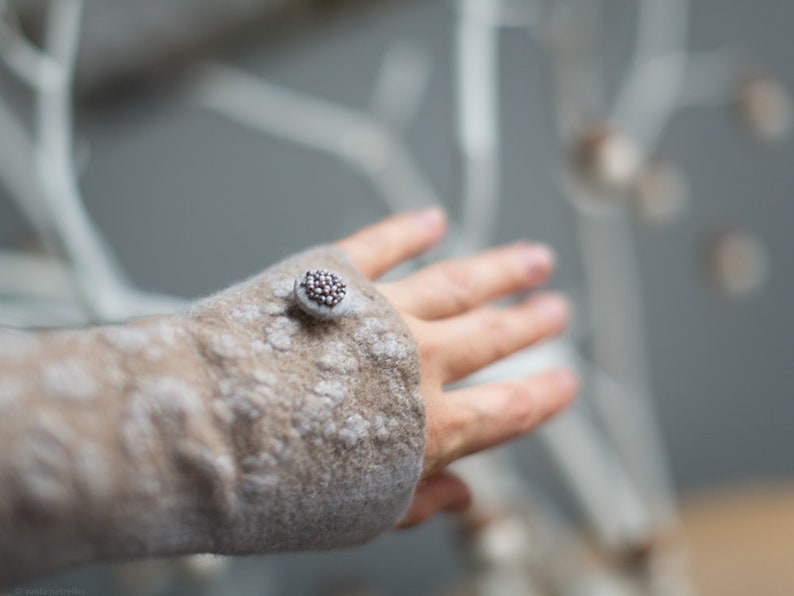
(319, 292)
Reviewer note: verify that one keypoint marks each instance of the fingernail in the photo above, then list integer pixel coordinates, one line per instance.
(538, 259)
(432, 217)
(554, 308)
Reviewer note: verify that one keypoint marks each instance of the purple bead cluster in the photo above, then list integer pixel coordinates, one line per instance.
(324, 287)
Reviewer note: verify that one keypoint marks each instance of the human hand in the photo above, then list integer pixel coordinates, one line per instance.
(445, 307)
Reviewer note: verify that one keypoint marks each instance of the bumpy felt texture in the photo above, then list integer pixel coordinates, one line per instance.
(240, 425)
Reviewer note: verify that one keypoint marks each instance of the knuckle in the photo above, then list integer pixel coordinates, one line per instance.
(522, 404)
(458, 284)
(429, 356)
(498, 332)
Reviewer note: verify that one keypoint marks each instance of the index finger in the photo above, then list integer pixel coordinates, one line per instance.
(379, 247)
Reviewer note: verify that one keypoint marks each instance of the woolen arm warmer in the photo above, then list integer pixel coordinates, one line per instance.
(241, 425)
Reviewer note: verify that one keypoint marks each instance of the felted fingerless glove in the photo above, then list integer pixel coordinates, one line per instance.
(260, 419)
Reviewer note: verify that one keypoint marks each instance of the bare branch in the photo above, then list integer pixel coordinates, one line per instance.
(476, 61)
(357, 138)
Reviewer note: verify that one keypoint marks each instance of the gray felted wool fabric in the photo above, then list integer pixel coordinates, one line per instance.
(241, 425)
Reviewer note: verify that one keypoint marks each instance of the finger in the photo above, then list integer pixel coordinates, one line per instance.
(469, 420)
(453, 287)
(380, 247)
(440, 492)
(464, 344)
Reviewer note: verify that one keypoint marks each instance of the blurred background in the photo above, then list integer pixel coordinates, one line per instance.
(647, 141)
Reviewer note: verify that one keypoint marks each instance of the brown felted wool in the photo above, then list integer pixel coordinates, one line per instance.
(241, 425)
